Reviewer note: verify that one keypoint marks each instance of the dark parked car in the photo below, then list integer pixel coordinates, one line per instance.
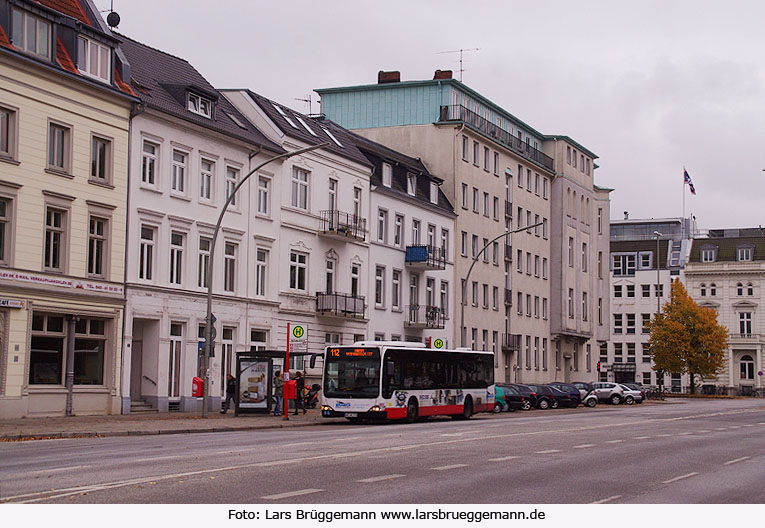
(528, 395)
(569, 395)
(546, 398)
(509, 397)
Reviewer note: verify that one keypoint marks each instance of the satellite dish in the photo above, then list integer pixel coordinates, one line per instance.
(113, 19)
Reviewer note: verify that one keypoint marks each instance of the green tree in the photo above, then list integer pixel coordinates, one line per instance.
(687, 338)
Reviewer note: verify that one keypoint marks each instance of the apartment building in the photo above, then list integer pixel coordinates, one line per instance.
(317, 209)
(411, 246)
(500, 174)
(64, 126)
(724, 272)
(643, 265)
(189, 149)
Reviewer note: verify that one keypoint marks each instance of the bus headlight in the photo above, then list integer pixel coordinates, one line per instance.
(326, 408)
(375, 408)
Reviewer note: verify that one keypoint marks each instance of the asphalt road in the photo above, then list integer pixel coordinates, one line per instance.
(694, 451)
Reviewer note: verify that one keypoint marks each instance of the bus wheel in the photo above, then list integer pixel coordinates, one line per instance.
(467, 410)
(411, 411)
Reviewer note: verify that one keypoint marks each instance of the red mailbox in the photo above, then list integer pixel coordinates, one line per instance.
(290, 389)
(197, 387)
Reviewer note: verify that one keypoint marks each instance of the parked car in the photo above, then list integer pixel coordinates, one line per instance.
(631, 395)
(637, 387)
(569, 395)
(609, 392)
(510, 397)
(528, 394)
(546, 398)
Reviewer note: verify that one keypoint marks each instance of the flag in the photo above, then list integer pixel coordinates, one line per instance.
(687, 179)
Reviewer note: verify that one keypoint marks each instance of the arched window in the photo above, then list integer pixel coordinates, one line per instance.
(739, 289)
(747, 367)
(573, 206)
(712, 289)
(587, 216)
(703, 289)
(750, 289)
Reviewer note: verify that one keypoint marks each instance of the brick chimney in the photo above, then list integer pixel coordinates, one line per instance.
(385, 77)
(442, 74)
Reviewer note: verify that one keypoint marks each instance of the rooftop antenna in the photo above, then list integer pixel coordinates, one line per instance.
(307, 100)
(460, 51)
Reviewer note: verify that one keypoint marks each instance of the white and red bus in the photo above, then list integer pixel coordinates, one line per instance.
(405, 381)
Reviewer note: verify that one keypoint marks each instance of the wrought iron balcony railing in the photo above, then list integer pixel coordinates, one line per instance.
(425, 257)
(424, 316)
(339, 224)
(340, 305)
(511, 342)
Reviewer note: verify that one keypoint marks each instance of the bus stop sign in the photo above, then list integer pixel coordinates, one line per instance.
(438, 343)
(298, 337)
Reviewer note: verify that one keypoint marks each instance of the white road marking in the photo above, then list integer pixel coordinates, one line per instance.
(502, 459)
(298, 444)
(760, 423)
(663, 435)
(53, 470)
(444, 468)
(748, 425)
(641, 437)
(451, 434)
(614, 441)
(583, 446)
(736, 460)
(719, 428)
(702, 431)
(685, 433)
(152, 459)
(378, 479)
(681, 477)
(547, 451)
(734, 427)
(291, 494)
(277, 463)
(608, 499)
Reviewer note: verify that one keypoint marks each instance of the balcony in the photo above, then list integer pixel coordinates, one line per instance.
(508, 297)
(424, 317)
(343, 226)
(508, 209)
(470, 118)
(508, 253)
(425, 257)
(744, 338)
(340, 305)
(511, 342)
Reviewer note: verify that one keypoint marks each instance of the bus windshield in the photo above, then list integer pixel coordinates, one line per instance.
(352, 372)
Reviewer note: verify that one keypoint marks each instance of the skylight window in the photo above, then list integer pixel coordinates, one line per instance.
(332, 137)
(306, 126)
(281, 112)
(236, 120)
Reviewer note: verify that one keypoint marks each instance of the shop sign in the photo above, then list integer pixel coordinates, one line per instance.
(12, 303)
(62, 282)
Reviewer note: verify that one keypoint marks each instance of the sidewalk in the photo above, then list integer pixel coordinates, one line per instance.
(147, 424)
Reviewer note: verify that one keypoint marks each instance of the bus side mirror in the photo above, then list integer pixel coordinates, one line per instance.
(389, 368)
(313, 360)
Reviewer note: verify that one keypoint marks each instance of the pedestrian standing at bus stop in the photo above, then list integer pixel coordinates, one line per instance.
(300, 398)
(278, 392)
(230, 393)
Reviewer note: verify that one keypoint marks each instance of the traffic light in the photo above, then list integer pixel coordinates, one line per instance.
(598, 366)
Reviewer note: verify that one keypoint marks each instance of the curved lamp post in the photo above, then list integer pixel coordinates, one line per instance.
(209, 277)
(463, 337)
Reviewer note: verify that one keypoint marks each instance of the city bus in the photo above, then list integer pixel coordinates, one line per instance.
(395, 380)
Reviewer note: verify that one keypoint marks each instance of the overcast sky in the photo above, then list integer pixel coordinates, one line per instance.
(649, 86)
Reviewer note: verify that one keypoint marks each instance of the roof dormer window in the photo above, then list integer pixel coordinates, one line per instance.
(93, 59)
(200, 105)
(708, 254)
(433, 192)
(31, 34)
(744, 253)
(387, 174)
(411, 184)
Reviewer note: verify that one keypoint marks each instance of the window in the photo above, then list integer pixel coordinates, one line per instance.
(414, 290)
(299, 197)
(433, 192)
(483, 248)
(463, 244)
(475, 246)
(647, 290)
(745, 323)
(520, 176)
(574, 158)
(93, 59)
(411, 184)
(536, 307)
(146, 253)
(298, 270)
(584, 306)
(623, 265)
(476, 153)
(486, 159)
(200, 105)
(544, 228)
(646, 322)
(204, 260)
(544, 268)
(712, 289)
(100, 159)
(519, 261)
(382, 226)
(464, 196)
(176, 258)
(444, 298)
(355, 275)
(744, 254)
(485, 290)
(600, 264)
(519, 303)
(545, 191)
(387, 174)
(630, 290)
(749, 289)
(97, 249)
(581, 163)
(55, 239)
(486, 204)
(630, 323)
(600, 310)
(528, 305)
(496, 164)
(149, 163)
(495, 253)
(261, 272)
(474, 291)
(232, 179)
(396, 290)
(357, 203)
(746, 369)
(570, 303)
(465, 148)
(617, 291)
(536, 183)
(528, 180)
(31, 34)
(6, 227)
(585, 257)
(496, 208)
(528, 263)
(475, 200)
(600, 220)
(618, 323)
(739, 289)
(59, 141)
(588, 167)
(571, 252)
(445, 243)
(568, 155)
(416, 232)
(528, 221)
(398, 229)
(646, 260)
(520, 217)
(495, 298)
(380, 286)
(537, 229)
(207, 169)
(332, 195)
(528, 352)
(708, 254)
(329, 276)
(544, 308)
(229, 267)
(178, 183)
(7, 133)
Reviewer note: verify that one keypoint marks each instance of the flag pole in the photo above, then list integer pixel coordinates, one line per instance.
(683, 229)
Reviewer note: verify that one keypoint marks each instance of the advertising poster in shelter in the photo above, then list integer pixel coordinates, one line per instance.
(253, 385)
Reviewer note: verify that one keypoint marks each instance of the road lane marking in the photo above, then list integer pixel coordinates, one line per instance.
(297, 493)
(298, 444)
(450, 434)
(702, 431)
(663, 435)
(736, 460)
(760, 423)
(641, 437)
(748, 425)
(378, 479)
(453, 466)
(548, 451)
(277, 463)
(719, 428)
(685, 433)
(734, 427)
(502, 459)
(614, 441)
(53, 470)
(583, 446)
(681, 477)
(152, 459)
(608, 499)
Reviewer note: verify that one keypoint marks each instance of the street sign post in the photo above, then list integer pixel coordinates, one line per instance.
(297, 341)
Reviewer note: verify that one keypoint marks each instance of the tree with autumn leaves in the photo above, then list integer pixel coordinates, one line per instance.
(686, 337)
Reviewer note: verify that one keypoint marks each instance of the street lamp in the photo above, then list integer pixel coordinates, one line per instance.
(209, 277)
(475, 260)
(658, 299)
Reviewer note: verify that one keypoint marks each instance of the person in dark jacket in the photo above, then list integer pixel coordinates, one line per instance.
(278, 392)
(230, 393)
(300, 400)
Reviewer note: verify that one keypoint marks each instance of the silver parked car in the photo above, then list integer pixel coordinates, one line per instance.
(631, 395)
(609, 392)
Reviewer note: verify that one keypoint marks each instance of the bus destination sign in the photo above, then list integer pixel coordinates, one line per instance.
(354, 352)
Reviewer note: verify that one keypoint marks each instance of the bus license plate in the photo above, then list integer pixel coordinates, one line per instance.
(351, 415)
